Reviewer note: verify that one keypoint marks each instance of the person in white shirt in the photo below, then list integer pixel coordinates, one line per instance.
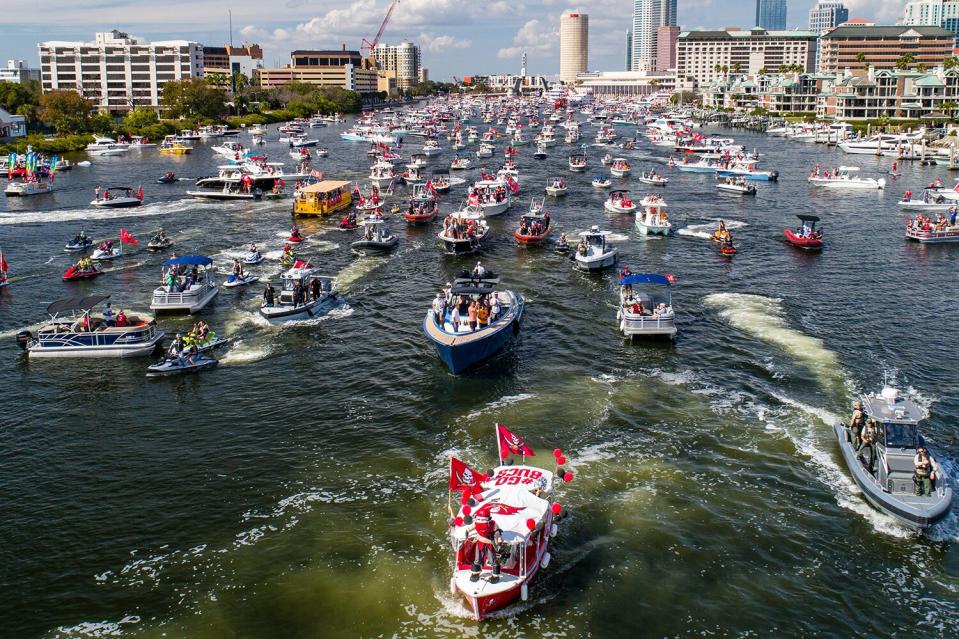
(439, 307)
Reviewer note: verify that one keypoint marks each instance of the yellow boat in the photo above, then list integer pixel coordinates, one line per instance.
(323, 198)
(176, 148)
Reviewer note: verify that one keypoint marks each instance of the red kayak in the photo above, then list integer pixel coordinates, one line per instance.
(73, 274)
(530, 238)
(811, 243)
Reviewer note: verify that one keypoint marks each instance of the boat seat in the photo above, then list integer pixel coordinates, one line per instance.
(900, 464)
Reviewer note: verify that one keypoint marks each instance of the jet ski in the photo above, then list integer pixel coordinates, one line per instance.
(74, 273)
(178, 365)
(210, 344)
(159, 243)
(82, 245)
(295, 236)
(253, 257)
(233, 281)
(168, 178)
(101, 255)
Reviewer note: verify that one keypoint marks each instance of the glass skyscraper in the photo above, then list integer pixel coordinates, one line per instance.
(648, 16)
(771, 14)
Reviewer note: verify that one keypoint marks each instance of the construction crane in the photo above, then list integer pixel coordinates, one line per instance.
(371, 46)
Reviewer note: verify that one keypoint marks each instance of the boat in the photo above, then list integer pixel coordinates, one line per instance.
(653, 220)
(540, 153)
(80, 243)
(440, 180)
(180, 290)
(620, 167)
(930, 201)
(747, 171)
(303, 142)
(486, 150)
(876, 144)
(653, 178)
(464, 231)
(925, 231)
(253, 257)
(606, 160)
(594, 252)
(514, 504)
(806, 236)
(108, 198)
(578, 162)
(461, 347)
(646, 305)
(228, 192)
(322, 198)
(74, 331)
(376, 238)
(492, 197)
(234, 282)
(892, 484)
(460, 163)
(382, 174)
(32, 186)
(172, 145)
(847, 177)
(322, 151)
(140, 142)
(601, 181)
(106, 146)
(316, 294)
(735, 185)
(534, 226)
(431, 148)
(167, 178)
(422, 208)
(619, 202)
(185, 363)
(85, 269)
(701, 166)
(159, 242)
(556, 187)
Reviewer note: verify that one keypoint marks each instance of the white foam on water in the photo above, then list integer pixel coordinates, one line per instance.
(97, 628)
(93, 213)
(809, 442)
(705, 231)
(13, 332)
(357, 270)
(340, 312)
(243, 353)
(500, 403)
(763, 318)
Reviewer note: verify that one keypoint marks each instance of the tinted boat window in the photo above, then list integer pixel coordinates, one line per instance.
(900, 435)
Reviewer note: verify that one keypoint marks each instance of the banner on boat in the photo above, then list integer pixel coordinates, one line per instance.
(509, 443)
(462, 477)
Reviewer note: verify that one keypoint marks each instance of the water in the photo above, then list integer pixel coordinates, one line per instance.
(299, 489)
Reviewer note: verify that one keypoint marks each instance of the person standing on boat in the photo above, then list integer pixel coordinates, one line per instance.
(97, 191)
(487, 537)
(856, 422)
(108, 315)
(269, 296)
(867, 454)
(924, 476)
(439, 308)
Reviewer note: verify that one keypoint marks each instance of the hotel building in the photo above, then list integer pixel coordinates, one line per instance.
(702, 55)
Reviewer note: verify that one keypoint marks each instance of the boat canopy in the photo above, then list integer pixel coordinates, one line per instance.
(441, 171)
(326, 186)
(644, 278)
(808, 218)
(199, 260)
(76, 303)
(624, 191)
(119, 188)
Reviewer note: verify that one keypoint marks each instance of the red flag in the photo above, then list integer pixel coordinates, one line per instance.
(3, 264)
(128, 237)
(509, 444)
(462, 477)
(140, 192)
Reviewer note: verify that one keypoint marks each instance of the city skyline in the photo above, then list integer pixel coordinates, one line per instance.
(454, 40)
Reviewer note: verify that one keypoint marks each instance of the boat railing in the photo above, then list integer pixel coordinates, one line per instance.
(163, 296)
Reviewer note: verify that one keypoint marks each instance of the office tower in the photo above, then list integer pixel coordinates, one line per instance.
(771, 14)
(573, 45)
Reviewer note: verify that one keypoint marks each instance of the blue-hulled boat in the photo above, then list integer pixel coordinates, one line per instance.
(462, 347)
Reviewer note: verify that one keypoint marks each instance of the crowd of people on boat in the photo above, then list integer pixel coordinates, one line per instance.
(177, 279)
(806, 232)
(927, 224)
(304, 291)
(533, 226)
(466, 313)
(486, 195)
(456, 228)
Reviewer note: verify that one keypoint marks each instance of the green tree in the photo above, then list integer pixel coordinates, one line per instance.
(905, 60)
(860, 57)
(66, 111)
(193, 98)
(763, 71)
(950, 63)
(140, 118)
(737, 67)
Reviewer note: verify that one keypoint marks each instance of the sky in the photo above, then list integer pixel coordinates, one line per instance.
(457, 37)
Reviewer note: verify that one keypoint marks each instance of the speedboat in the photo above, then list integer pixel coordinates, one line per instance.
(620, 167)
(233, 281)
(646, 305)
(735, 185)
(516, 505)
(601, 181)
(440, 180)
(382, 174)
(654, 179)
(892, 483)
(540, 153)
(847, 177)
(460, 163)
(180, 365)
(594, 252)
(302, 279)
(606, 160)
(930, 201)
(108, 198)
(180, 291)
(74, 331)
(461, 347)
(140, 142)
(431, 148)
(24, 188)
(535, 226)
(464, 231)
(486, 150)
(806, 236)
(376, 238)
(228, 192)
(492, 197)
(422, 208)
(653, 220)
(556, 187)
(619, 202)
(106, 146)
(578, 162)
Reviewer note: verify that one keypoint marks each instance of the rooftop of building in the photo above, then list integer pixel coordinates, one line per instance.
(330, 52)
(732, 34)
(857, 30)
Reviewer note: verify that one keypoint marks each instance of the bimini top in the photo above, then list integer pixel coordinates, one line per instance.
(808, 218)
(119, 188)
(614, 192)
(76, 303)
(200, 260)
(326, 186)
(644, 278)
(441, 171)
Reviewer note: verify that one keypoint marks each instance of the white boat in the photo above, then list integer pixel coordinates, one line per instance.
(231, 150)
(431, 148)
(930, 201)
(460, 163)
(739, 186)
(486, 150)
(601, 181)
(184, 293)
(381, 173)
(702, 166)
(847, 177)
(654, 179)
(578, 162)
(594, 252)
(305, 294)
(74, 331)
(652, 220)
(106, 146)
(620, 167)
(492, 197)
(258, 129)
(876, 144)
(556, 187)
(140, 142)
(108, 198)
(376, 239)
(645, 305)
(464, 231)
(26, 188)
(619, 202)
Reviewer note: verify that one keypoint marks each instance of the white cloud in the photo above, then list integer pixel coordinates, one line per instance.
(532, 37)
(436, 44)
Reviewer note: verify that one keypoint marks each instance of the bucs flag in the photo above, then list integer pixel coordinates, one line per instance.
(128, 237)
(462, 477)
(509, 444)
(3, 263)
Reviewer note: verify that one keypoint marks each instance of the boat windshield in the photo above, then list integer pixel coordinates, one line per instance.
(900, 435)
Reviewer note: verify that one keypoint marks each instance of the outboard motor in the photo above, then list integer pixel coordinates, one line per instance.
(23, 339)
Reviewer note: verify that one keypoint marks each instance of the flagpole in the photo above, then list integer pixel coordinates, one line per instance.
(499, 447)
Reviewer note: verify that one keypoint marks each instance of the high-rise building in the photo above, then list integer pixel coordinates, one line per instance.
(939, 13)
(18, 71)
(666, 38)
(854, 47)
(228, 59)
(771, 14)
(117, 71)
(404, 58)
(648, 16)
(573, 45)
(325, 68)
(704, 56)
(629, 50)
(827, 14)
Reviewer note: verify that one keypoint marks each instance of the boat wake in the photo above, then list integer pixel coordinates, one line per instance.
(357, 270)
(92, 213)
(97, 628)
(242, 352)
(496, 405)
(705, 231)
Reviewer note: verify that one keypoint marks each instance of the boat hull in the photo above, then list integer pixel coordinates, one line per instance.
(596, 264)
(310, 310)
(463, 351)
(808, 243)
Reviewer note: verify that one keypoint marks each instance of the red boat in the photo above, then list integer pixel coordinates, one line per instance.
(535, 226)
(501, 532)
(422, 214)
(727, 249)
(348, 222)
(810, 239)
(75, 273)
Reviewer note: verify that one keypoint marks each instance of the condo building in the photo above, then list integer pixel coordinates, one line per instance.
(325, 68)
(703, 56)
(860, 48)
(648, 17)
(826, 15)
(404, 59)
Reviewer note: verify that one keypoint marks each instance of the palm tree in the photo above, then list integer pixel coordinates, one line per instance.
(905, 60)
(219, 80)
(860, 57)
(950, 63)
(949, 107)
(737, 68)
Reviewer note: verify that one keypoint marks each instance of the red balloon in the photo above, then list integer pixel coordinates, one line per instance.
(560, 460)
(568, 477)
(557, 508)
(531, 523)
(467, 510)
(458, 521)
(557, 452)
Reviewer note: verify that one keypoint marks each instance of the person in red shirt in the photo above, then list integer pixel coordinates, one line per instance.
(122, 320)
(487, 535)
